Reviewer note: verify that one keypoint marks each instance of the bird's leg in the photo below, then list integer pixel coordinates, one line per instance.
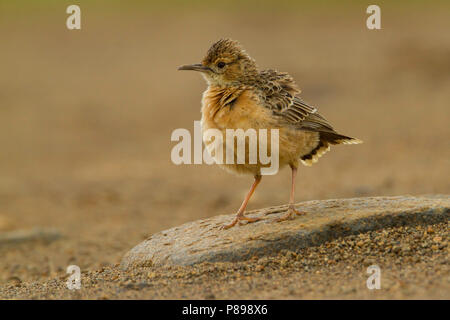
(291, 209)
(240, 213)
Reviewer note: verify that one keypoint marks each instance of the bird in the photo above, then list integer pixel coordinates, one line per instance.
(240, 96)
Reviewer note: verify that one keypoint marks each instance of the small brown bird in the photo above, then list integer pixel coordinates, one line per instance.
(239, 96)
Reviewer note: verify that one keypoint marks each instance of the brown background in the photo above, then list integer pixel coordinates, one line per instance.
(86, 116)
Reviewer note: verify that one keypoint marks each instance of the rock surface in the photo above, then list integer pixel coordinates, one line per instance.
(46, 235)
(204, 241)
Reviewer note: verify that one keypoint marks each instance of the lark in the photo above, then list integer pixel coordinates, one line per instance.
(240, 96)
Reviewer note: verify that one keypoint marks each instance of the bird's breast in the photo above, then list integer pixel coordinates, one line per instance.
(233, 108)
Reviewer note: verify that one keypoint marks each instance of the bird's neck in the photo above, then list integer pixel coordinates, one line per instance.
(222, 96)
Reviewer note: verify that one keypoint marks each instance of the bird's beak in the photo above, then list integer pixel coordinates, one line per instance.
(195, 67)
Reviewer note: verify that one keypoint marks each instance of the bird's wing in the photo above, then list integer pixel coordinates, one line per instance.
(280, 94)
(277, 89)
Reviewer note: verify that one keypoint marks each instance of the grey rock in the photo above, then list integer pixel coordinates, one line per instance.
(204, 241)
(46, 235)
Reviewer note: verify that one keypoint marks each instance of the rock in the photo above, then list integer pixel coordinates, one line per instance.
(35, 234)
(14, 281)
(204, 241)
(406, 249)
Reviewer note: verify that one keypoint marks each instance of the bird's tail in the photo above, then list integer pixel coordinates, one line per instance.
(336, 138)
(326, 139)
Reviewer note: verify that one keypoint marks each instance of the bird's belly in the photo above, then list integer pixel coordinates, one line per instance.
(246, 119)
(295, 143)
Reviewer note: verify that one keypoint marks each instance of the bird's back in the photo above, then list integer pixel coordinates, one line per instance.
(279, 93)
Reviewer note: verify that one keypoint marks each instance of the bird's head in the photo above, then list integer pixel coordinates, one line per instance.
(226, 63)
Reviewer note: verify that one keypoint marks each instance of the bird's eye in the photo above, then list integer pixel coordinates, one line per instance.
(221, 64)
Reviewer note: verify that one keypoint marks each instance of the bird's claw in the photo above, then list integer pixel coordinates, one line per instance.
(237, 219)
(289, 214)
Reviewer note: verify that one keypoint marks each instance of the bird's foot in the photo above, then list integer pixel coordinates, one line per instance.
(290, 214)
(237, 219)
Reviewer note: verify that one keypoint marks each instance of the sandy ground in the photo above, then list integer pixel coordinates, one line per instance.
(86, 118)
(413, 264)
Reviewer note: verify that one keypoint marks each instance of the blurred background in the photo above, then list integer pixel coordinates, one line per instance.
(86, 115)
